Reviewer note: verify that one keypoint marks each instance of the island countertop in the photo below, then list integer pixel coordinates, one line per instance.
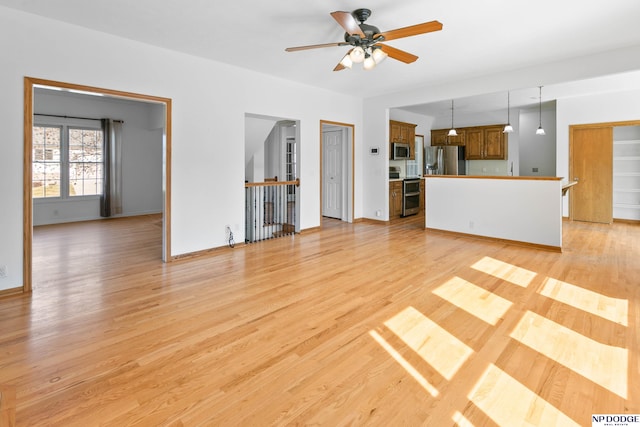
(524, 178)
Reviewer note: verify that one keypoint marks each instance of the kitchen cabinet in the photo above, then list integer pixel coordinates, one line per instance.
(422, 195)
(481, 142)
(404, 133)
(486, 143)
(441, 137)
(395, 199)
(473, 150)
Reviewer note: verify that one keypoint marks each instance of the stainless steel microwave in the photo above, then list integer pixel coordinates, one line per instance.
(400, 151)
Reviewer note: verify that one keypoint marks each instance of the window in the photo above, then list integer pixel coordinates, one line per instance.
(85, 162)
(290, 162)
(67, 161)
(46, 161)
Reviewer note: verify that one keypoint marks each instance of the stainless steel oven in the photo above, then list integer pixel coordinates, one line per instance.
(410, 196)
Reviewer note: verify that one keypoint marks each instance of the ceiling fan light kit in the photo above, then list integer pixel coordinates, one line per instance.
(366, 40)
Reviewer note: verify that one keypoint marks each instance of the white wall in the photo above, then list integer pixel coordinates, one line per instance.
(256, 131)
(142, 152)
(598, 108)
(209, 102)
(537, 151)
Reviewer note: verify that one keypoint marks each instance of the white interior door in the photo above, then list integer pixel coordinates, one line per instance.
(332, 160)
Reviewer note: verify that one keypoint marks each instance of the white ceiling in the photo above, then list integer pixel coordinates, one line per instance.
(479, 38)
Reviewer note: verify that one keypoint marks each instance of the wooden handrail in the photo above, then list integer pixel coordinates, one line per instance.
(272, 183)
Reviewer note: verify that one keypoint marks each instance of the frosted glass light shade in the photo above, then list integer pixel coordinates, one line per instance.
(379, 55)
(369, 63)
(508, 128)
(540, 131)
(452, 132)
(357, 55)
(346, 61)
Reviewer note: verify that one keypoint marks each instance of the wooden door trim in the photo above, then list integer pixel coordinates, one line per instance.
(573, 128)
(27, 195)
(351, 168)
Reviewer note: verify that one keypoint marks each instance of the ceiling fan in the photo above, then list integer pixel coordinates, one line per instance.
(366, 40)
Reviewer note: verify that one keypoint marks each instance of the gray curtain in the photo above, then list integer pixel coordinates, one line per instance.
(111, 199)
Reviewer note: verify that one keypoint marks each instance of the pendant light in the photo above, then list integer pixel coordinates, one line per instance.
(452, 131)
(508, 128)
(540, 130)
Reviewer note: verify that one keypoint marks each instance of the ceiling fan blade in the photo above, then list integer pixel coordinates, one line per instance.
(413, 30)
(314, 46)
(398, 54)
(348, 22)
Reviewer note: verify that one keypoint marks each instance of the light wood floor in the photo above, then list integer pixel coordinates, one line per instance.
(359, 324)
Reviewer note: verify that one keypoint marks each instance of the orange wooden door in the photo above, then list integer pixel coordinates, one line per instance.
(592, 166)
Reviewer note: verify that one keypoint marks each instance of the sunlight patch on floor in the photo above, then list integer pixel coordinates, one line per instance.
(461, 420)
(509, 403)
(613, 309)
(473, 299)
(405, 364)
(434, 344)
(502, 270)
(603, 364)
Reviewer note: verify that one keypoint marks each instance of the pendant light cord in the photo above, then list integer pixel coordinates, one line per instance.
(540, 106)
(452, 114)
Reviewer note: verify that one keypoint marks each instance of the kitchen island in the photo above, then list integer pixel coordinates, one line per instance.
(517, 209)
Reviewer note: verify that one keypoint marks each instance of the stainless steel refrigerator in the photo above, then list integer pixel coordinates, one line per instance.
(444, 160)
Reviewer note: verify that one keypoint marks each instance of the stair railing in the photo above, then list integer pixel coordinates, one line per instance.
(270, 209)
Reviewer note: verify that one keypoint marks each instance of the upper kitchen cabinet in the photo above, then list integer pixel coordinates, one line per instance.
(486, 143)
(441, 137)
(404, 133)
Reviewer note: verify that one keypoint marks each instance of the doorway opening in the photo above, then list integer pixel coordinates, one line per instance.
(337, 170)
(603, 160)
(30, 84)
(272, 168)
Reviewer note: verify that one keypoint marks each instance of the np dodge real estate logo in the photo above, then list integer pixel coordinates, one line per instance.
(615, 420)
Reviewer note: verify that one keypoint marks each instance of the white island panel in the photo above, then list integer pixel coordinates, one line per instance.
(516, 209)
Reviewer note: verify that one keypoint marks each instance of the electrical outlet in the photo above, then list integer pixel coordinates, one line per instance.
(3, 271)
